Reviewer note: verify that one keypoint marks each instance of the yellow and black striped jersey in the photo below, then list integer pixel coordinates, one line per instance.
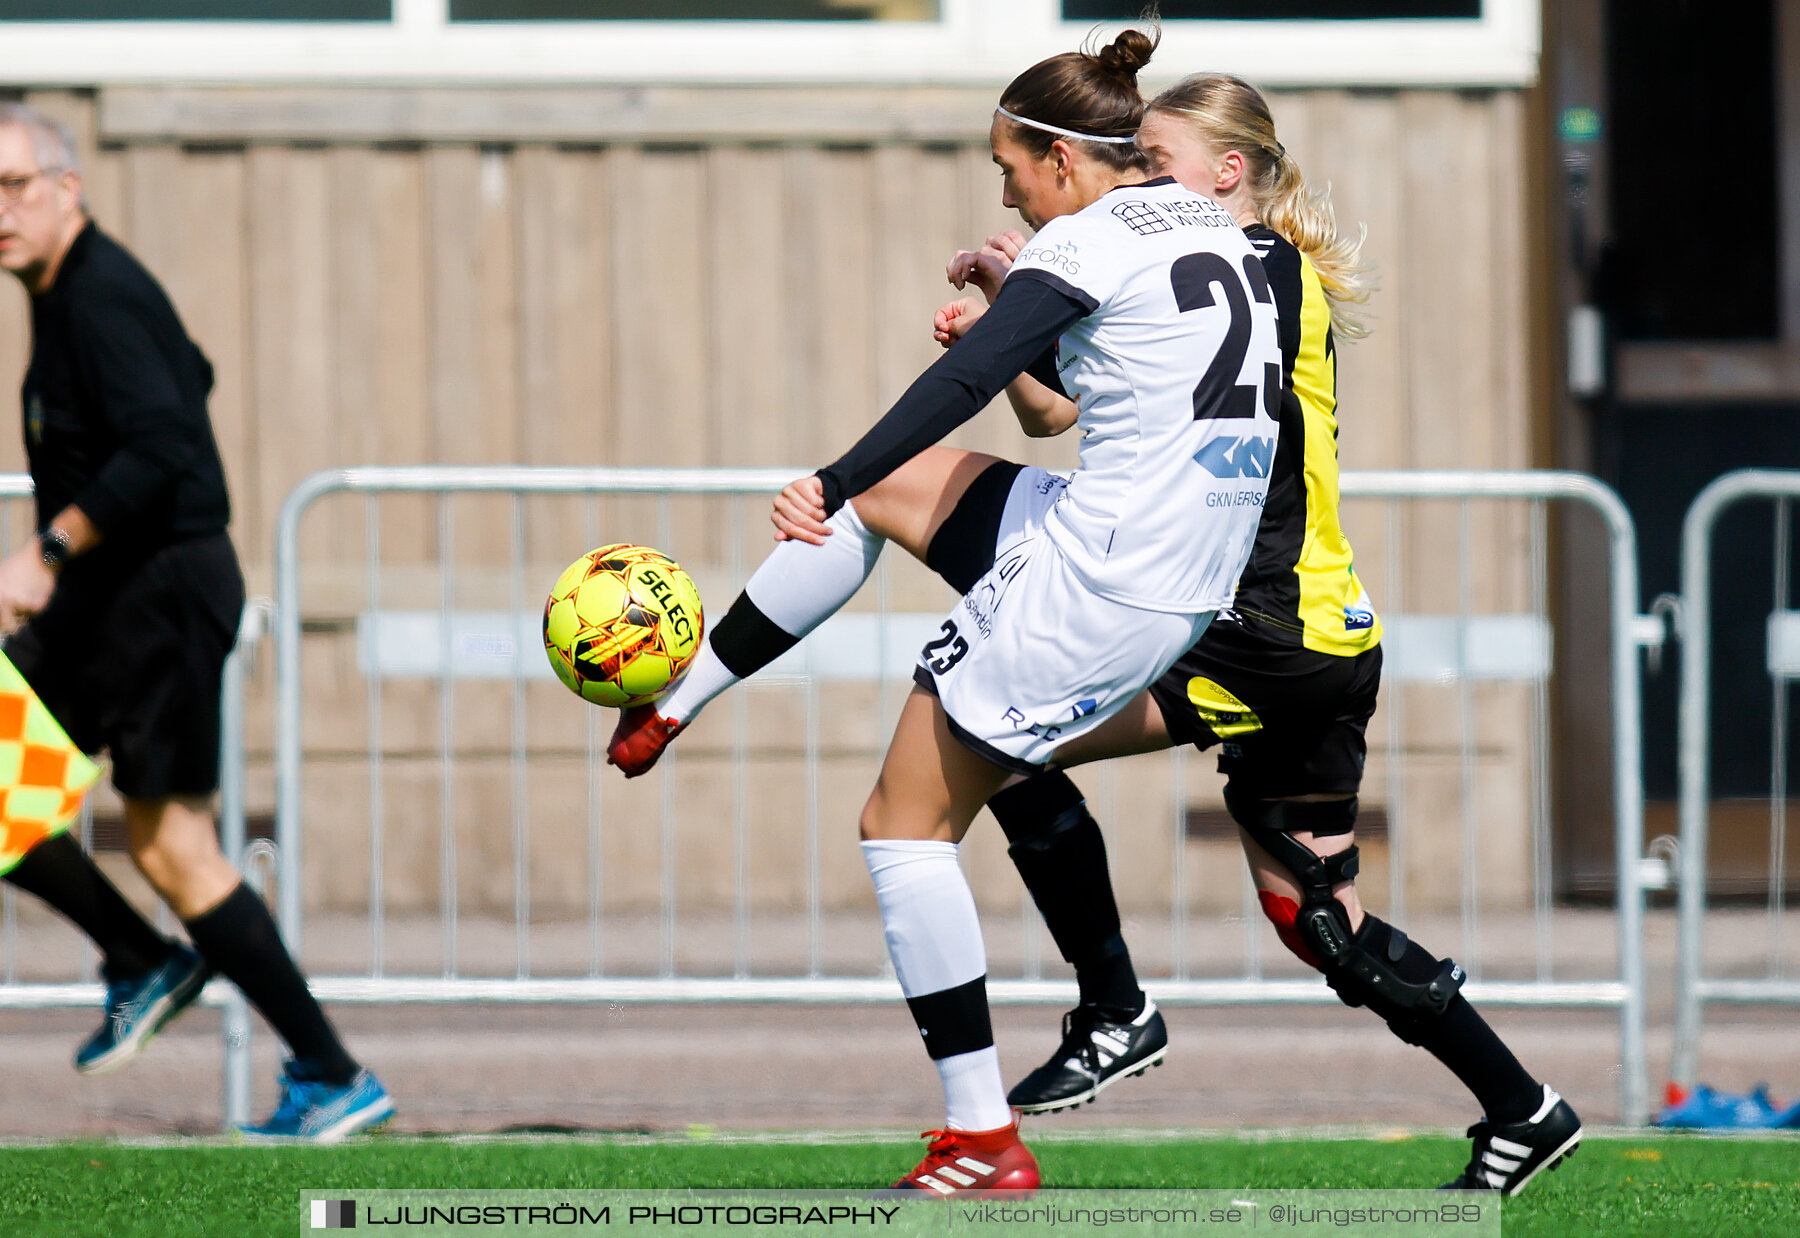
(1300, 588)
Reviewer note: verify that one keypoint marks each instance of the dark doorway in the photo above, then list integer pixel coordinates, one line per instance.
(1695, 249)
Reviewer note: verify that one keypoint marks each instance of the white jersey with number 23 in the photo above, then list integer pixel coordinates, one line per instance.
(1176, 370)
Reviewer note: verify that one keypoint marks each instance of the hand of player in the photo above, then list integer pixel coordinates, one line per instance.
(800, 512)
(986, 267)
(1008, 245)
(953, 321)
(26, 583)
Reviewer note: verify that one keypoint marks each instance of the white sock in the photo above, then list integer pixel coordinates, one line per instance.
(934, 938)
(800, 585)
(706, 677)
(796, 588)
(974, 1091)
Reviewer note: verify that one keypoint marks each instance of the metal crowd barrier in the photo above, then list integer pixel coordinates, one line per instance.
(1695, 988)
(447, 644)
(1626, 993)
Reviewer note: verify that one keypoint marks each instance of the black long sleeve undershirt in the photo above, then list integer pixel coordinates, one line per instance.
(1024, 321)
(1044, 370)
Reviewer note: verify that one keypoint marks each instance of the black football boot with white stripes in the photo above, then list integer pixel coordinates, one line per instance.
(1095, 1052)
(1510, 1154)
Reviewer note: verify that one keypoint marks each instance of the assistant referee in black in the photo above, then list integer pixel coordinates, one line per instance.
(120, 614)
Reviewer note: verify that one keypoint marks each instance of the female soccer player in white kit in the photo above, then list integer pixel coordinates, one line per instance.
(1153, 306)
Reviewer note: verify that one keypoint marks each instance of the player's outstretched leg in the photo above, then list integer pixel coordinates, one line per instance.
(1305, 861)
(795, 589)
(800, 585)
(1116, 1031)
(149, 979)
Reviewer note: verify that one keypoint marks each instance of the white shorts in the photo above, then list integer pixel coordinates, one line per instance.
(1031, 658)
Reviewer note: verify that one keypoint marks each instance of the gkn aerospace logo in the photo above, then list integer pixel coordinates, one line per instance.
(1233, 458)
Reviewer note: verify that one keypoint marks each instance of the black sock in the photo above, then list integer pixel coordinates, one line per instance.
(1057, 848)
(1459, 1038)
(58, 871)
(746, 640)
(239, 939)
(1474, 1052)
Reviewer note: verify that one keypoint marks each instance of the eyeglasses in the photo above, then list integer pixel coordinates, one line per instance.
(12, 188)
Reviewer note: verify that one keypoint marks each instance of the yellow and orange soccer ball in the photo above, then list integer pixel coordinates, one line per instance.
(621, 624)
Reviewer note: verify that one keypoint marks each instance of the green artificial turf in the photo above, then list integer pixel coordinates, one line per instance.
(1652, 1185)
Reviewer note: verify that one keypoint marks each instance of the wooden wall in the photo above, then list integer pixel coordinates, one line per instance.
(572, 278)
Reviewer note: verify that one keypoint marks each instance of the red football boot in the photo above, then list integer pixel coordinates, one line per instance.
(970, 1162)
(639, 739)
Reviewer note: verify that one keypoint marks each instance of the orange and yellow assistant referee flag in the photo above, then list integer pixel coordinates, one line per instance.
(43, 775)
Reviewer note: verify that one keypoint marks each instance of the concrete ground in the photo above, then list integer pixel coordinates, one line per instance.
(766, 1067)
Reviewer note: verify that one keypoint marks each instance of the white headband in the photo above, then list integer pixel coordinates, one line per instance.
(1067, 133)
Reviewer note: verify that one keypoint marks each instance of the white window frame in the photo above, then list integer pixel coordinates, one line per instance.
(974, 41)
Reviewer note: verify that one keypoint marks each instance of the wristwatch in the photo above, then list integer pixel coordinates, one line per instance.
(53, 545)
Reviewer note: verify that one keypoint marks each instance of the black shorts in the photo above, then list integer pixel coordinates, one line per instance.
(132, 661)
(1291, 721)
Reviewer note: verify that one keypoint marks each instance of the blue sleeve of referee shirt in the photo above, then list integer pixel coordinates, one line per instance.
(1025, 320)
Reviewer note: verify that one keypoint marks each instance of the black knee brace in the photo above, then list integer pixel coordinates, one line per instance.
(1321, 817)
(1398, 980)
(1376, 966)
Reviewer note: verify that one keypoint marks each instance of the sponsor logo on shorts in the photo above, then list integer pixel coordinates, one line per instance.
(1015, 717)
(1222, 711)
(983, 601)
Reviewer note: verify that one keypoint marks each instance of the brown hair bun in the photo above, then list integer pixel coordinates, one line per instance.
(1128, 53)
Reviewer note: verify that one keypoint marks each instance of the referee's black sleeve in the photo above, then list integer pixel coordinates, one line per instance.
(1024, 321)
(139, 400)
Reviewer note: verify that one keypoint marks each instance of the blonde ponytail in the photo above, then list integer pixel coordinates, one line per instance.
(1230, 114)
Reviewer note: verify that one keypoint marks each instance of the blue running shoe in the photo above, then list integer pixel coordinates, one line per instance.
(137, 1008)
(314, 1111)
(1705, 1109)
